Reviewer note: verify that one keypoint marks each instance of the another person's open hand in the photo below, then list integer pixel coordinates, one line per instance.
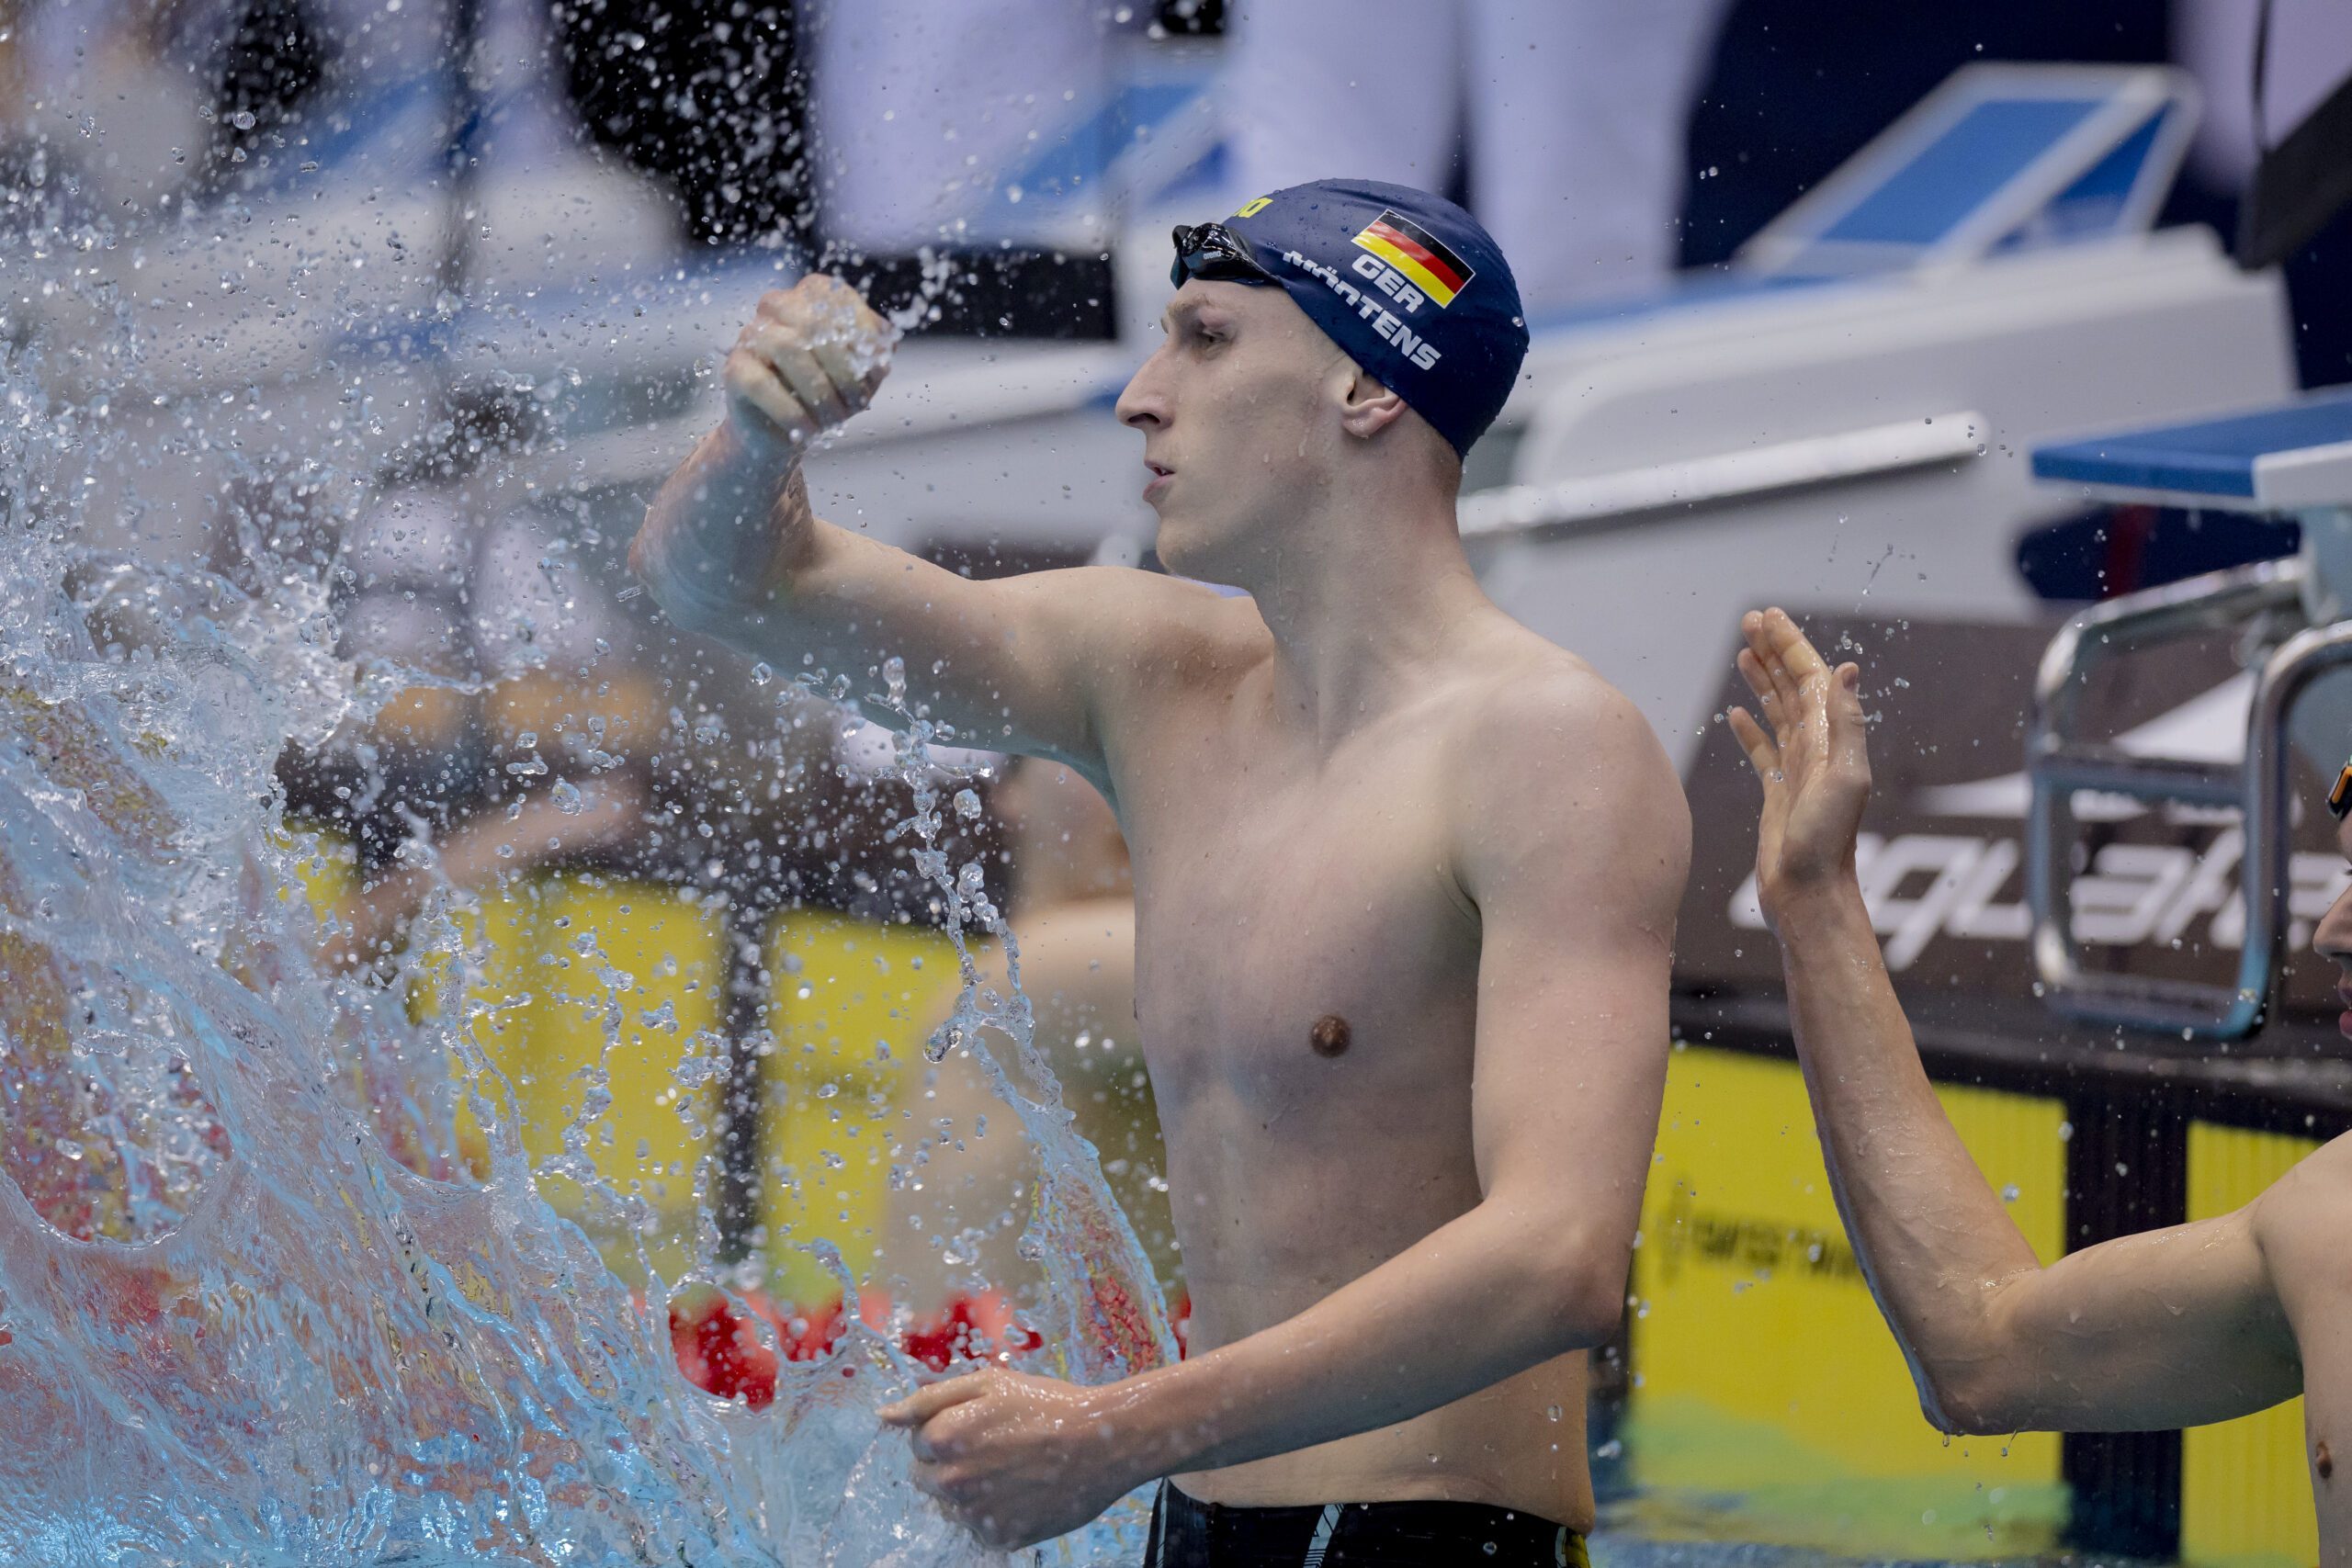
(1014, 1459)
(1814, 764)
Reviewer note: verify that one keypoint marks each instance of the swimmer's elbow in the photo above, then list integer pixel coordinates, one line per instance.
(1592, 1323)
(1976, 1402)
(1976, 1381)
(690, 607)
(1986, 1362)
(698, 591)
(1585, 1285)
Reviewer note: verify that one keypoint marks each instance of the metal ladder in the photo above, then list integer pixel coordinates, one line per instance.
(2290, 606)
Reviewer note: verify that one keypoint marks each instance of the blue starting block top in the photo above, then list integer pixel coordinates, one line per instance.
(2293, 456)
(1997, 158)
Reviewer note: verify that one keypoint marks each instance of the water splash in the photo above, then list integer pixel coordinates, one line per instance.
(255, 1306)
(1116, 1325)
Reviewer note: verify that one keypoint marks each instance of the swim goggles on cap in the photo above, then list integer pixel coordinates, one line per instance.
(2339, 799)
(1213, 254)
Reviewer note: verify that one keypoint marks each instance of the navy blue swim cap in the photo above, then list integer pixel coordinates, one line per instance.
(1408, 283)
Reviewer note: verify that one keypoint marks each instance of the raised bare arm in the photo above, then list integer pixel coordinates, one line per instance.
(2169, 1328)
(731, 548)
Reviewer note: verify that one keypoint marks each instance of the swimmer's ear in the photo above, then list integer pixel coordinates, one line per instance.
(1367, 407)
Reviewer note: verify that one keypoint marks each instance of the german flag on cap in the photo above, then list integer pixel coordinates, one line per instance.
(1417, 253)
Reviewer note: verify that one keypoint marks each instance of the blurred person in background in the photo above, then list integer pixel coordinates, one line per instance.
(1559, 123)
(1765, 128)
(922, 111)
(2308, 54)
(926, 120)
(520, 735)
(949, 1250)
(370, 115)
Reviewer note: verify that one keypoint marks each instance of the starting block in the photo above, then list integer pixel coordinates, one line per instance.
(2292, 459)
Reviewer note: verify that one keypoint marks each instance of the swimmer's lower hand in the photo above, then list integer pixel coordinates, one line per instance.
(1015, 1458)
(1814, 765)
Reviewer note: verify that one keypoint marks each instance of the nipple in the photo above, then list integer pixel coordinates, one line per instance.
(2324, 1462)
(1329, 1036)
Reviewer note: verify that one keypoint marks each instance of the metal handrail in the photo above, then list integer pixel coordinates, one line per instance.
(2058, 765)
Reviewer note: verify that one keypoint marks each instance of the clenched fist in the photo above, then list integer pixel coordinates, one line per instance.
(728, 528)
(810, 356)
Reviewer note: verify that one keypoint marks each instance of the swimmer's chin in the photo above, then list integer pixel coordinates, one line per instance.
(1207, 549)
(1184, 555)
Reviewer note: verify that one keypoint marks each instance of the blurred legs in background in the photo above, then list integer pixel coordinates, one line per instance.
(1560, 121)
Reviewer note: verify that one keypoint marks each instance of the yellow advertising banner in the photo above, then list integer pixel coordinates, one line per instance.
(2246, 1490)
(1769, 1402)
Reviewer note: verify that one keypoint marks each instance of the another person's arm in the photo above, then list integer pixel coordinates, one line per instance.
(1577, 842)
(2169, 1329)
(730, 548)
(370, 922)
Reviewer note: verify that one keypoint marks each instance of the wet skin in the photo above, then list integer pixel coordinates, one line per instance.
(1366, 810)
(2176, 1327)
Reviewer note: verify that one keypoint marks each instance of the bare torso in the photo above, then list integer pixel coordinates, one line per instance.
(2304, 1227)
(1305, 984)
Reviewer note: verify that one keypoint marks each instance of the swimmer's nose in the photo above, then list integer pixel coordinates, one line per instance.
(1142, 405)
(2332, 939)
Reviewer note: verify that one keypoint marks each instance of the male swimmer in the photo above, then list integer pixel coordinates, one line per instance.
(2169, 1329)
(1405, 878)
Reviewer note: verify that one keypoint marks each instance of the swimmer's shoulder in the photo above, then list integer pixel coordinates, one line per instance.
(1159, 630)
(1544, 751)
(1523, 698)
(2303, 1223)
(2303, 1232)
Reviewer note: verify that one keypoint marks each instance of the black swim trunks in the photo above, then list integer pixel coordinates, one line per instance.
(1188, 1533)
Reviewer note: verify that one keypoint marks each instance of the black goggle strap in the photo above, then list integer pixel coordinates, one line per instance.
(2339, 798)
